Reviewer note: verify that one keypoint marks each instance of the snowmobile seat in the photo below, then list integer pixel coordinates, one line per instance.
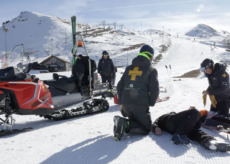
(66, 84)
(12, 74)
(56, 76)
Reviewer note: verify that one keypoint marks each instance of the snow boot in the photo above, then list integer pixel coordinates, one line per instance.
(181, 139)
(214, 145)
(120, 126)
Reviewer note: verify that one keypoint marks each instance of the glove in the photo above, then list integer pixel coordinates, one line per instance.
(204, 99)
(213, 100)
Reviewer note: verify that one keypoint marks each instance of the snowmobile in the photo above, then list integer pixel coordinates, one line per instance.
(24, 94)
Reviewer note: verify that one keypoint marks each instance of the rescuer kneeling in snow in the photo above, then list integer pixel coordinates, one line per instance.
(137, 90)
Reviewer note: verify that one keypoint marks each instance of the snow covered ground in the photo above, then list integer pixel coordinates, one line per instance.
(89, 139)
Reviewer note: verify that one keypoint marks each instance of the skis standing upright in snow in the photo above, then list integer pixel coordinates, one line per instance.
(74, 50)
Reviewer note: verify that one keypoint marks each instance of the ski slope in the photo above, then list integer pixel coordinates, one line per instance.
(89, 139)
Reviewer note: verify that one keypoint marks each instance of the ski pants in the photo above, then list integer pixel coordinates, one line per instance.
(221, 107)
(139, 118)
(108, 78)
(187, 123)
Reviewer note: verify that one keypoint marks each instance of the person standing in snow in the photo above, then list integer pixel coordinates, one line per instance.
(218, 89)
(137, 90)
(184, 126)
(106, 68)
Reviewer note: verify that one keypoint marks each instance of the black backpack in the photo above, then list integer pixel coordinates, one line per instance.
(93, 66)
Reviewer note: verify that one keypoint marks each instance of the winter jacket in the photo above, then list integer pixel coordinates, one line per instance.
(78, 67)
(165, 123)
(106, 67)
(219, 83)
(139, 83)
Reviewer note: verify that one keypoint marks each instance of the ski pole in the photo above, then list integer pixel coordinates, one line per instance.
(170, 70)
(167, 69)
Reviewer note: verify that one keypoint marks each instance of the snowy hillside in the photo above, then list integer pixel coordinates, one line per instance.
(207, 34)
(45, 35)
(205, 31)
(37, 32)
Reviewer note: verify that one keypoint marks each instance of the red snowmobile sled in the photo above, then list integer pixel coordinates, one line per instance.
(24, 94)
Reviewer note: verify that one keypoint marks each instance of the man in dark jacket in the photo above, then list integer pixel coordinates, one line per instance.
(185, 126)
(218, 86)
(137, 90)
(78, 70)
(106, 68)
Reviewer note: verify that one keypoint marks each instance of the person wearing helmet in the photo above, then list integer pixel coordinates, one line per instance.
(218, 89)
(185, 127)
(106, 68)
(137, 90)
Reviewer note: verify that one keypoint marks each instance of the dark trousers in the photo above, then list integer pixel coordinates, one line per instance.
(139, 118)
(108, 78)
(221, 107)
(186, 123)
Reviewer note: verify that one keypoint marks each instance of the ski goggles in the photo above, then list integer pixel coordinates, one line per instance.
(105, 55)
(202, 69)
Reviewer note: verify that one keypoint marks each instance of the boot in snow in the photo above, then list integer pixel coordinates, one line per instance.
(215, 145)
(120, 126)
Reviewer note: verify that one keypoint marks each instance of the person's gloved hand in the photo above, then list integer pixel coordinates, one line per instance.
(204, 99)
(205, 92)
(213, 100)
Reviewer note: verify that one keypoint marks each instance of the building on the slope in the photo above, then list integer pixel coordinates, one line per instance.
(56, 64)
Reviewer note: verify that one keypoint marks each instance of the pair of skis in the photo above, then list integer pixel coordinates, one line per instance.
(217, 126)
(74, 50)
(162, 99)
(14, 131)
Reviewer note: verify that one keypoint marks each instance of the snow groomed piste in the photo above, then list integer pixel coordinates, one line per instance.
(97, 139)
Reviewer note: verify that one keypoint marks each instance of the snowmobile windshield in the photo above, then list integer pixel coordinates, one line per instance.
(17, 58)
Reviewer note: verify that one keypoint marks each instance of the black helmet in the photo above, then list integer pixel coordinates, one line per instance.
(105, 53)
(207, 63)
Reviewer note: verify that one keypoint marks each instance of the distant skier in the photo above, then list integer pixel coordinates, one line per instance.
(106, 68)
(184, 126)
(170, 70)
(218, 89)
(137, 90)
(167, 69)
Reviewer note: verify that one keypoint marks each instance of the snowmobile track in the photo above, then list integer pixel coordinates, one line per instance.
(89, 107)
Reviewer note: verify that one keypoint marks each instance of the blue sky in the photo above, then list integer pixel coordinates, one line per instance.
(176, 15)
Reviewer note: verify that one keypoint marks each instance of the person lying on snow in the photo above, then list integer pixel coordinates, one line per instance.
(184, 126)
